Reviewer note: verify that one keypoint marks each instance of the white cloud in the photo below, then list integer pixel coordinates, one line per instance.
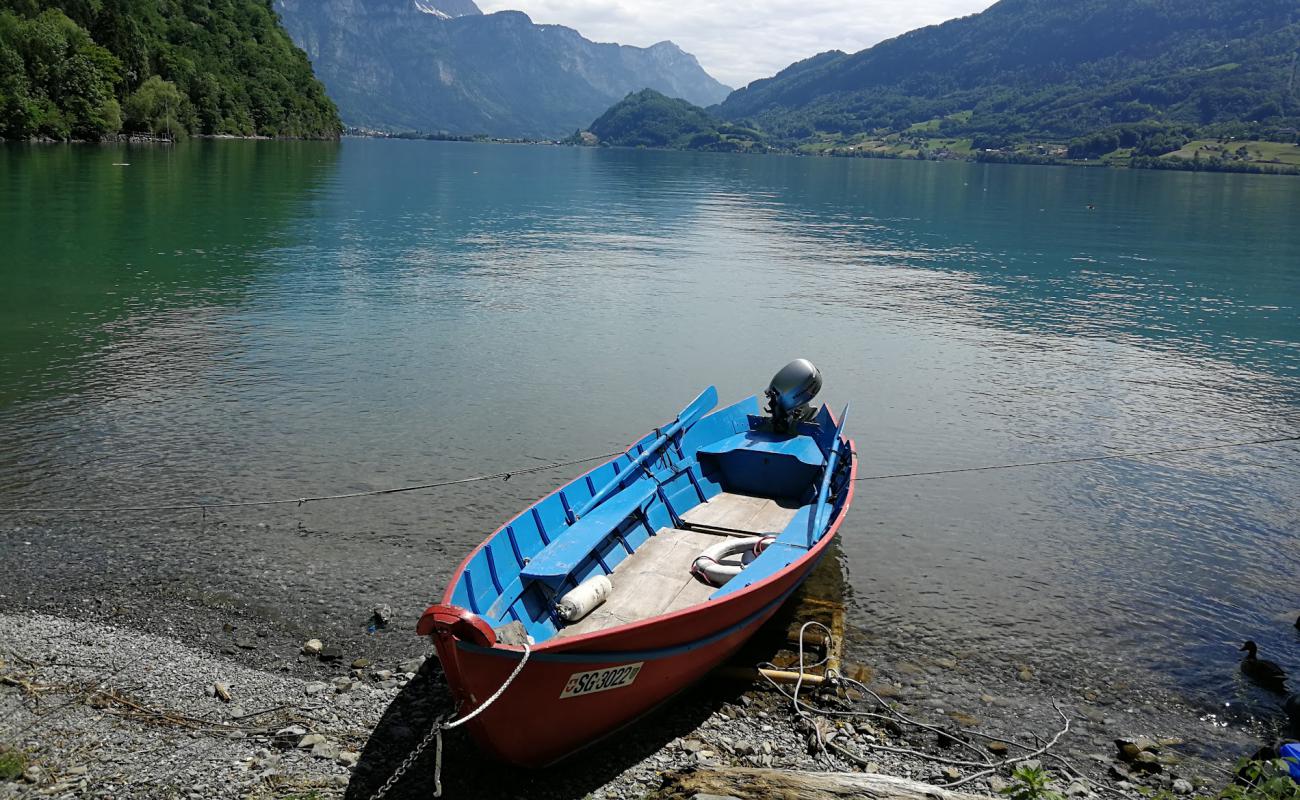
(738, 43)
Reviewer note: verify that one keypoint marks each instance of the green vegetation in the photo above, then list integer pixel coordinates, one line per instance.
(12, 765)
(86, 69)
(1030, 783)
(650, 119)
(1262, 780)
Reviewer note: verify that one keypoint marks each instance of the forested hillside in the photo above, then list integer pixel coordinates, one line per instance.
(1054, 69)
(85, 69)
(651, 119)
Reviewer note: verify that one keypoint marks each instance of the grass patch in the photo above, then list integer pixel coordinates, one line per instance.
(12, 765)
(1261, 152)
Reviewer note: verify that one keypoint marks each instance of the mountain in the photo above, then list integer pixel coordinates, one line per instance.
(650, 119)
(85, 70)
(1049, 68)
(441, 65)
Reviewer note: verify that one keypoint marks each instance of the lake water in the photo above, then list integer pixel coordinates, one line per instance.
(241, 320)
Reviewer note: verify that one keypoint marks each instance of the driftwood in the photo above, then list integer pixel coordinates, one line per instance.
(774, 784)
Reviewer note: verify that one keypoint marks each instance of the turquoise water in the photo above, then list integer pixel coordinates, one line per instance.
(241, 320)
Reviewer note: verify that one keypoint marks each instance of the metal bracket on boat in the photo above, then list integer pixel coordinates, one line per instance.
(458, 622)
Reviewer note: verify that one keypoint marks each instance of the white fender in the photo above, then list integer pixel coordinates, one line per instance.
(710, 567)
(584, 598)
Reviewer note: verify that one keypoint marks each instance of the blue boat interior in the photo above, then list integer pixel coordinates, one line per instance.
(731, 455)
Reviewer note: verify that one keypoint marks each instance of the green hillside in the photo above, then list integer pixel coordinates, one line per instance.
(85, 69)
(651, 119)
(1050, 70)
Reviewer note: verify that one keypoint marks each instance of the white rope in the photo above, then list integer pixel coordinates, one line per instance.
(435, 735)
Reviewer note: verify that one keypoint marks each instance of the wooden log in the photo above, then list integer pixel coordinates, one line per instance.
(745, 783)
(755, 675)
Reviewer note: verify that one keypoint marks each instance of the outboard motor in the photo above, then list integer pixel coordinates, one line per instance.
(790, 392)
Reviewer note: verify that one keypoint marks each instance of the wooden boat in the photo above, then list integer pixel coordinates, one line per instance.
(780, 483)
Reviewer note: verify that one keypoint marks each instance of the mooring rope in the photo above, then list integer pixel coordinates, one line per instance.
(1082, 459)
(435, 735)
(505, 476)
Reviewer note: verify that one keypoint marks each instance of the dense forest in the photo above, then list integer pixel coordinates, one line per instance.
(651, 119)
(87, 69)
(1047, 69)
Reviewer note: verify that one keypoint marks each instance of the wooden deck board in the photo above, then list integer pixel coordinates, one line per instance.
(653, 580)
(740, 512)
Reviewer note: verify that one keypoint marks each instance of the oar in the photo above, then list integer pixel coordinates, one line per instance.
(815, 517)
(698, 408)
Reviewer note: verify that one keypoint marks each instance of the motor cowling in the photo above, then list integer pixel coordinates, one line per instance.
(790, 392)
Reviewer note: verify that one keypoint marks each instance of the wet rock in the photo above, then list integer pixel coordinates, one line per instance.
(331, 653)
(1182, 786)
(313, 647)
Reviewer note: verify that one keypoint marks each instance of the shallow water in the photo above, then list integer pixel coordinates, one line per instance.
(241, 320)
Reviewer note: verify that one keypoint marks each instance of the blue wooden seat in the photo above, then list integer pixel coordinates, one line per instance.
(561, 557)
(801, 448)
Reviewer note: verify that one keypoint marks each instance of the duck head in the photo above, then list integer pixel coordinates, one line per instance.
(1250, 649)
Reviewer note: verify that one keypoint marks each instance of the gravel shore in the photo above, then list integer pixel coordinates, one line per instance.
(98, 710)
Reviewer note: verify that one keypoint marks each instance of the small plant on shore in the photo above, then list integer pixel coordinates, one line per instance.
(1263, 780)
(1030, 783)
(12, 764)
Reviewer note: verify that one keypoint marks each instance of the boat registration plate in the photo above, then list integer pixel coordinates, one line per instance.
(600, 680)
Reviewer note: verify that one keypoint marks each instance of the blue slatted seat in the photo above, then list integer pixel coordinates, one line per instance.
(561, 557)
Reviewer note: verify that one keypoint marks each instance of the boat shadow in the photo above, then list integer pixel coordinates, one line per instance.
(467, 773)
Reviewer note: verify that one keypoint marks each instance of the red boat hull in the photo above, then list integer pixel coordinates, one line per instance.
(550, 711)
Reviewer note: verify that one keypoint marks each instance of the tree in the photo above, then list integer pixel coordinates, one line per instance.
(157, 107)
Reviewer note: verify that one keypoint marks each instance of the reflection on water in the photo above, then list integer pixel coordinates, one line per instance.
(233, 320)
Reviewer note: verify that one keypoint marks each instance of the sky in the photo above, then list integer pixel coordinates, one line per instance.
(741, 42)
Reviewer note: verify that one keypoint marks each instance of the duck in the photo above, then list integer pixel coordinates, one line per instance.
(1260, 670)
